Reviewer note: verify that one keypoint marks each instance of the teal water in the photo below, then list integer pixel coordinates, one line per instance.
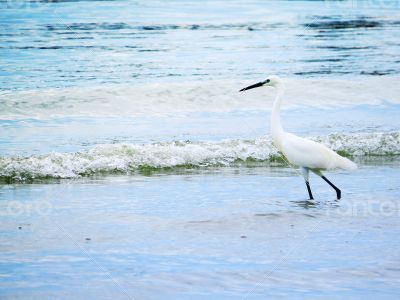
(58, 43)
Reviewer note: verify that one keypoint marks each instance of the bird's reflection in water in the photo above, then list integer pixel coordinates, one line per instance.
(307, 204)
(313, 204)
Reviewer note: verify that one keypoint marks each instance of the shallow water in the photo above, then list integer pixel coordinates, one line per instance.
(131, 167)
(216, 234)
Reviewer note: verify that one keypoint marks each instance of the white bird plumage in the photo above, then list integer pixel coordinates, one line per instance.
(305, 153)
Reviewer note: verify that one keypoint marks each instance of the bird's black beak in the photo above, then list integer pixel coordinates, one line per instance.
(252, 86)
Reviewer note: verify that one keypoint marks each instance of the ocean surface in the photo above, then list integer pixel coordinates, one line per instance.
(132, 168)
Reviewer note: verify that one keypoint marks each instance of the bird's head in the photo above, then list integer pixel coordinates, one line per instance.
(271, 81)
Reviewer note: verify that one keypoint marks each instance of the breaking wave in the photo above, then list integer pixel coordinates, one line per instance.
(188, 97)
(128, 158)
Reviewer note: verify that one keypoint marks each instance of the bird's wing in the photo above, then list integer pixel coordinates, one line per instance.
(306, 153)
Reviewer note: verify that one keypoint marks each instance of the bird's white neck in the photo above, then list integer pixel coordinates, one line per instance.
(276, 126)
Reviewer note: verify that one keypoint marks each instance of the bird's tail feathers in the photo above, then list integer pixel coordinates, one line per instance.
(347, 164)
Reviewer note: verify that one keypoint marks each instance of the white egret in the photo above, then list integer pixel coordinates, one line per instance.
(304, 153)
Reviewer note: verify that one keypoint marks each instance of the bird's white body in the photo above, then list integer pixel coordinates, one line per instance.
(300, 151)
(315, 156)
(307, 154)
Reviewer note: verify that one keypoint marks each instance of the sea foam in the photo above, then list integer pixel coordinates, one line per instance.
(127, 158)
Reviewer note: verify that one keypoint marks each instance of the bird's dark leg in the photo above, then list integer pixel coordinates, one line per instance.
(309, 190)
(338, 192)
(306, 176)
